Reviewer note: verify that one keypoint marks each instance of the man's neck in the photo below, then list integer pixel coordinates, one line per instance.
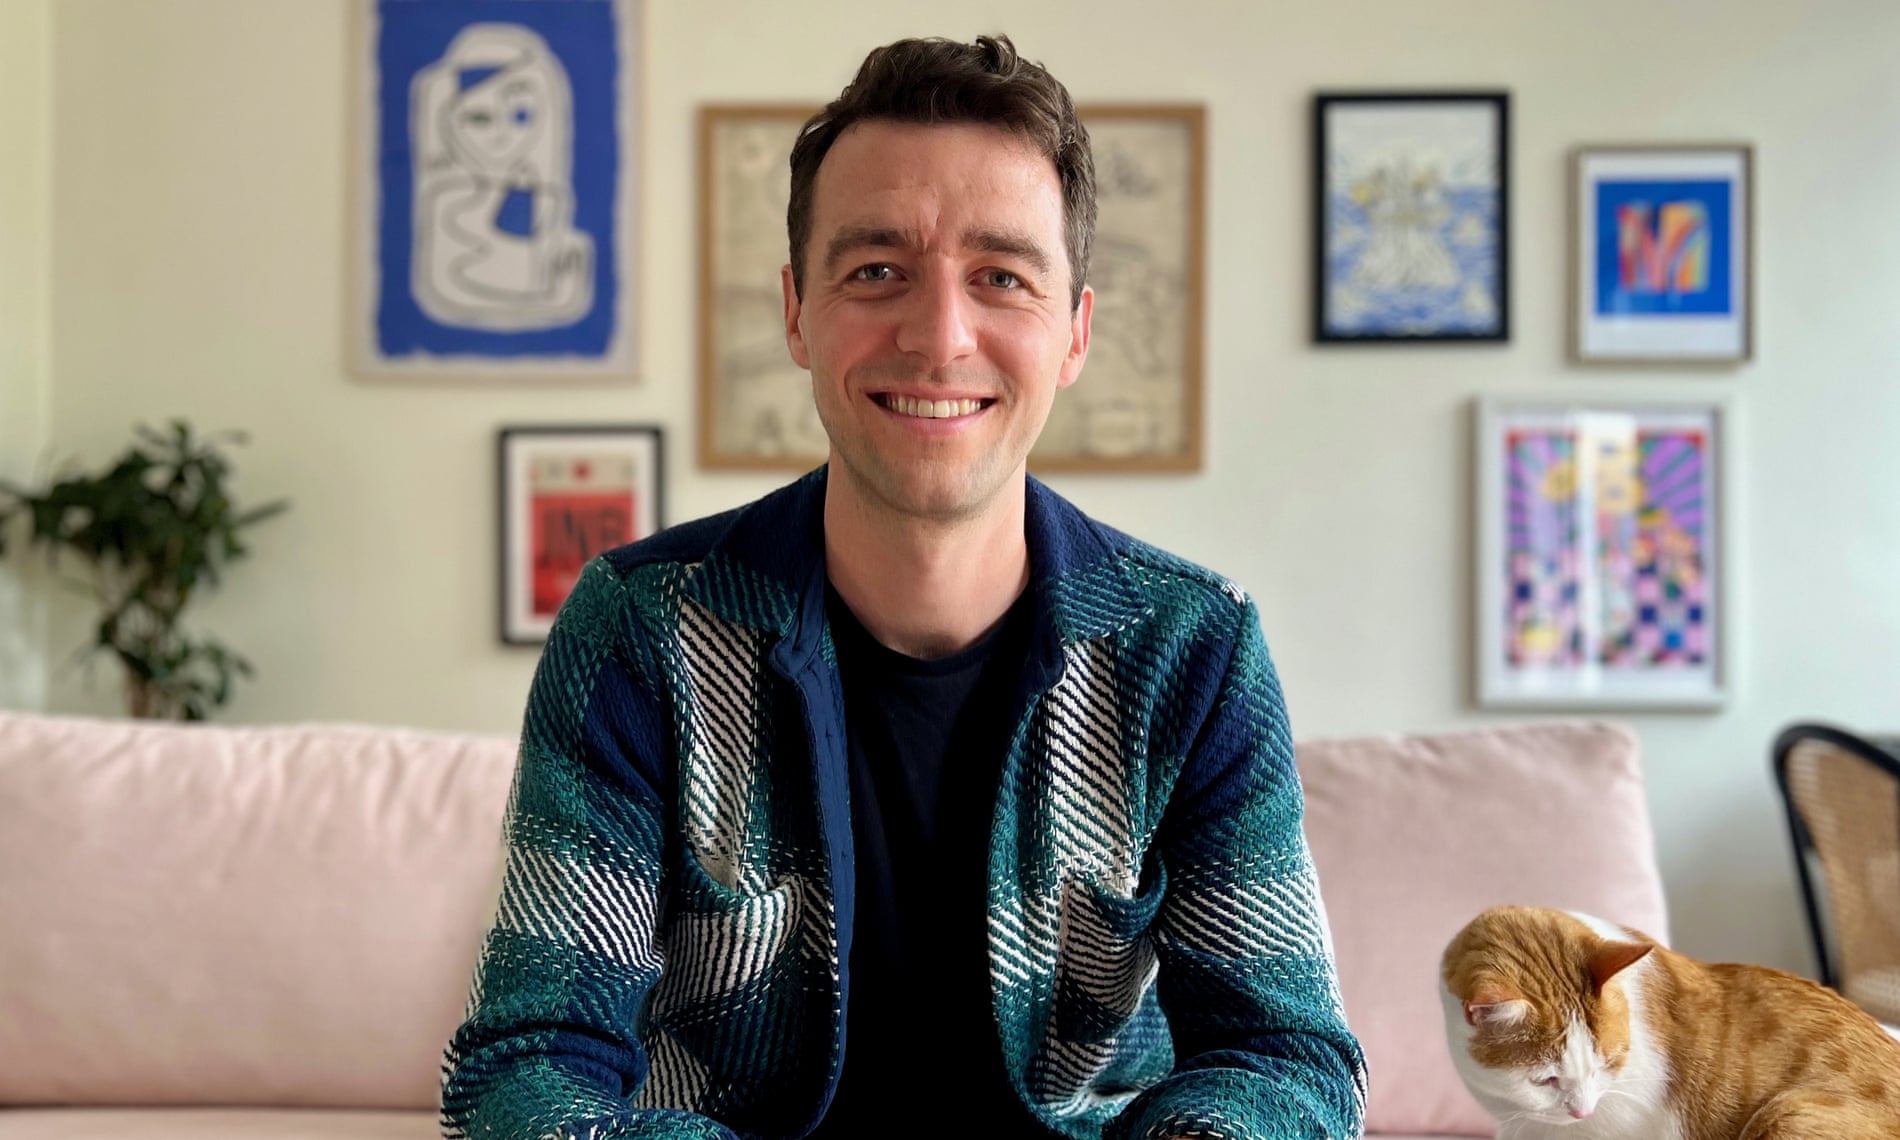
(924, 587)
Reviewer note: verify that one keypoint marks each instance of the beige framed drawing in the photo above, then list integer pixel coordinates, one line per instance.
(1138, 405)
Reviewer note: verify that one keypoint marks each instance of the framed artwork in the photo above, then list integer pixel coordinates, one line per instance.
(1411, 217)
(1601, 576)
(568, 494)
(755, 404)
(1663, 245)
(494, 177)
(1138, 407)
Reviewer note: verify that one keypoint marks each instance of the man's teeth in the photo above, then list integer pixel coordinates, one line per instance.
(931, 409)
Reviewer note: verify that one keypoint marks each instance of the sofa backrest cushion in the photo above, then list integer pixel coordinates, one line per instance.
(263, 916)
(1412, 836)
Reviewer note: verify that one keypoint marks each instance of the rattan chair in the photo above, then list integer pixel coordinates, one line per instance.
(1843, 797)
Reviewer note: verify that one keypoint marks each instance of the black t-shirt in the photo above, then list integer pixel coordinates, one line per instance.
(926, 739)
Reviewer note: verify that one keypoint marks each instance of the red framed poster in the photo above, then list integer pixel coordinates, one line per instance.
(568, 495)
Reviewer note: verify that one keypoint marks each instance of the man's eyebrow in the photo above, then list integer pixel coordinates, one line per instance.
(1003, 241)
(887, 237)
(861, 237)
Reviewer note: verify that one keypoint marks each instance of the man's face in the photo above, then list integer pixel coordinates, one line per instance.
(936, 320)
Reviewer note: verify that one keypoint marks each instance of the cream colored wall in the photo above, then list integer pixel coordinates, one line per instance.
(26, 181)
(200, 150)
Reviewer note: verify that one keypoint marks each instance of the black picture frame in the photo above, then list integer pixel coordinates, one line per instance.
(1428, 272)
(576, 474)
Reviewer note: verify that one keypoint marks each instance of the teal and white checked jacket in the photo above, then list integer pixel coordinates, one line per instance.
(669, 956)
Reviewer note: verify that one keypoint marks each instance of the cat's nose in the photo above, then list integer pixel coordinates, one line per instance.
(1579, 1112)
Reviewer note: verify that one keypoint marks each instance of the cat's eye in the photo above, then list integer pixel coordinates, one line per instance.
(1547, 1082)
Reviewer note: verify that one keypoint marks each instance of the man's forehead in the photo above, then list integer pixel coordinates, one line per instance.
(893, 131)
(932, 183)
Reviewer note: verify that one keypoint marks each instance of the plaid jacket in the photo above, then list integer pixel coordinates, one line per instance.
(669, 953)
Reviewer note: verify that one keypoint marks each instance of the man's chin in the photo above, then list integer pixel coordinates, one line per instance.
(936, 496)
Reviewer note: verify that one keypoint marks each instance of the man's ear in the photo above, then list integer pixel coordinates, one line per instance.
(1078, 340)
(794, 309)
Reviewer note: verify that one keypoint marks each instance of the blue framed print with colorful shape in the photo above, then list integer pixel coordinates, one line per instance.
(1663, 251)
(1411, 206)
(495, 190)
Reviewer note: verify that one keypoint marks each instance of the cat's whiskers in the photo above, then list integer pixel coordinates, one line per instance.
(1522, 1114)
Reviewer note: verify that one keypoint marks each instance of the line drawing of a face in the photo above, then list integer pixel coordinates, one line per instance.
(495, 124)
(491, 131)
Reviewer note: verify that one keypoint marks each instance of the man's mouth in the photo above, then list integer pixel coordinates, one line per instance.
(930, 409)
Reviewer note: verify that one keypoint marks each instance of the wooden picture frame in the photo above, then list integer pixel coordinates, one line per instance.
(755, 406)
(1411, 217)
(1138, 407)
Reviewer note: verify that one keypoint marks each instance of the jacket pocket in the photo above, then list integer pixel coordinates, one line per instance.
(730, 1006)
(1106, 962)
(723, 946)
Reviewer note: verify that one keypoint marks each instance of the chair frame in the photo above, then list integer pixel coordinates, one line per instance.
(1865, 748)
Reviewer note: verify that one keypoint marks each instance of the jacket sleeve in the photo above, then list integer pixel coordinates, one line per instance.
(1246, 976)
(549, 1049)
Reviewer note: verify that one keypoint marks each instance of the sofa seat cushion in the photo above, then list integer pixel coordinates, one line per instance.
(1412, 836)
(268, 917)
(213, 1124)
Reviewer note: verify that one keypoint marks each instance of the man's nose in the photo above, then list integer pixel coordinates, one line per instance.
(936, 323)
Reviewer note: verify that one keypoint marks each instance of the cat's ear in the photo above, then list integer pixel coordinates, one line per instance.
(1612, 958)
(1494, 1003)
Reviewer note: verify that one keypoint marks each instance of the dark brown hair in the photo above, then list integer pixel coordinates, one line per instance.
(936, 81)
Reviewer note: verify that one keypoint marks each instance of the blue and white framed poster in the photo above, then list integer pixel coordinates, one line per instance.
(1411, 205)
(1664, 254)
(495, 190)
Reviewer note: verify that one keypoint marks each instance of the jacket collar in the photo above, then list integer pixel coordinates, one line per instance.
(767, 572)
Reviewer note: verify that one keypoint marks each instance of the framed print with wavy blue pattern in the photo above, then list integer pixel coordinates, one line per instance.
(1411, 217)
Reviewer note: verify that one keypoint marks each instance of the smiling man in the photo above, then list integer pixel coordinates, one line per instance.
(908, 800)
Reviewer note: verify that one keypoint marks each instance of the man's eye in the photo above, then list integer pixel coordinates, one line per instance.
(872, 273)
(1003, 279)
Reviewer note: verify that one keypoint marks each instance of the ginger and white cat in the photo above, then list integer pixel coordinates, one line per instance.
(1565, 1026)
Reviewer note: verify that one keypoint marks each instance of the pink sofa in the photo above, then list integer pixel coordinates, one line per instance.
(267, 933)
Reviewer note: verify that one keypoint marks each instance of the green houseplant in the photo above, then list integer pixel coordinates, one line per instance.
(154, 529)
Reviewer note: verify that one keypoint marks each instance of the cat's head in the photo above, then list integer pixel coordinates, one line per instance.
(1537, 1010)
